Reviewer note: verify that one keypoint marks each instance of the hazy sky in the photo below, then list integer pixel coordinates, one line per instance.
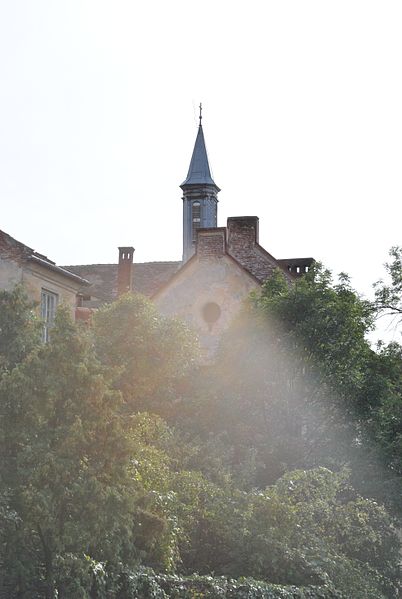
(302, 118)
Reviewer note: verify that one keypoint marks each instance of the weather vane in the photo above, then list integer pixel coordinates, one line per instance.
(200, 117)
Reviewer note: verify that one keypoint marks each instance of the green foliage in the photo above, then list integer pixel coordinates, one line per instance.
(388, 294)
(309, 529)
(19, 328)
(382, 429)
(67, 456)
(149, 354)
(327, 321)
(95, 488)
(350, 539)
(298, 385)
(144, 585)
(388, 423)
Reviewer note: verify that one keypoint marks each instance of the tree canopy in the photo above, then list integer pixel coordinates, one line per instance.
(280, 462)
(388, 293)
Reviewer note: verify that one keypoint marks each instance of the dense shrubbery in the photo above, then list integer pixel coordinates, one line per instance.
(241, 469)
(147, 585)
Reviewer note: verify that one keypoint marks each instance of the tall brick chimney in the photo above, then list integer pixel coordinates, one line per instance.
(124, 270)
(243, 244)
(242, 236)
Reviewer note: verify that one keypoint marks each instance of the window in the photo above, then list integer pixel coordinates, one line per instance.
(211, 313)
(196, 218)
(48, 304)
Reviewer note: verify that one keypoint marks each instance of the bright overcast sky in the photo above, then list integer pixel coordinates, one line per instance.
(302, 119)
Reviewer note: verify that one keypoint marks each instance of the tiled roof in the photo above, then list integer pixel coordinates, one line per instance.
(12, 249)
(147, 277)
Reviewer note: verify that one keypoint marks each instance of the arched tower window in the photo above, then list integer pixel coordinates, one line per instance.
(196, 219)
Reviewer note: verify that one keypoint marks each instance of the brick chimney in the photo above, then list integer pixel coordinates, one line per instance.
(242, 236)
(124, 270)
(211, 243)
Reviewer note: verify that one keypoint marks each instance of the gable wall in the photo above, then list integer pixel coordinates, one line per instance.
(210, 279)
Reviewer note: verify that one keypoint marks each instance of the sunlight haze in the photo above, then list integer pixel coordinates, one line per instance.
(302, 120)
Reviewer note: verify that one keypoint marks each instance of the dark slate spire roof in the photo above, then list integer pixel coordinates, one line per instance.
(199, 172)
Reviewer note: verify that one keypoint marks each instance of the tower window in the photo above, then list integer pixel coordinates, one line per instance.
(196, 219)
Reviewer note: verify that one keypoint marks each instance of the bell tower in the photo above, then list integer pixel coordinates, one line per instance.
(200, 195)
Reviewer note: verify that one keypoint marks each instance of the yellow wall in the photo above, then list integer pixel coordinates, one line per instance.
(35, 277)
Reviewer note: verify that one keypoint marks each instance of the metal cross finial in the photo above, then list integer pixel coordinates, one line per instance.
(200, 117)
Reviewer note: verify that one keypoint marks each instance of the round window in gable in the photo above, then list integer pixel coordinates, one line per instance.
(211, 313)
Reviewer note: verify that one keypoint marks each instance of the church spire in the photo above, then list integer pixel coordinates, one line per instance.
(200, 201)
(199, 172)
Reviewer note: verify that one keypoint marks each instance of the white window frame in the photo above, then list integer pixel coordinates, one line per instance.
(48, 306)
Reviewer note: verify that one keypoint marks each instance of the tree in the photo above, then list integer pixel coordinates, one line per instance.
(328, 322)
(297, 385)
(67, 465)
(84, 482)
(388, 295)
(289, 385)
(149, 355)
(20, 330)
(93, 487)
(340, 535)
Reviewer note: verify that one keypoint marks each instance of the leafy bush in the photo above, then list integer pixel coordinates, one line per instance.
(145, 584)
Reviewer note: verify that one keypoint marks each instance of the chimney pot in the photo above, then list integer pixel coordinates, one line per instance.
(124, 269)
